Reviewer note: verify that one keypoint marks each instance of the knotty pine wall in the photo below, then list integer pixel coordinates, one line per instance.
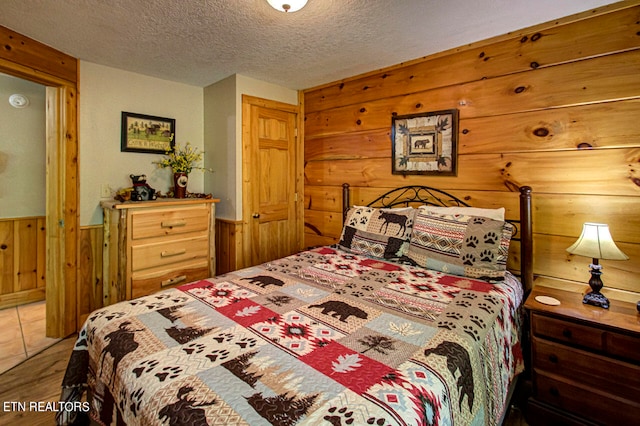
(555, 107)
(22, 260)
(90, 278)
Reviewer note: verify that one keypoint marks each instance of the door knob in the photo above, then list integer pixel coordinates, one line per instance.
(256, 215)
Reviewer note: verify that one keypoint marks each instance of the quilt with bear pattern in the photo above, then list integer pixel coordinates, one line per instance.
(322, 337)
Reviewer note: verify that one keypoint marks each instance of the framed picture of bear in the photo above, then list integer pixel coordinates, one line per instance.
(147, 133)
(425, 143)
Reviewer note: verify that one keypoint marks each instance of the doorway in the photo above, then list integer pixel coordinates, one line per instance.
(22, 193)
(30, 60)
(22, 220)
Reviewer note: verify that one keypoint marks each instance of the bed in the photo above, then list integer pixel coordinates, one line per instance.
(399, 323)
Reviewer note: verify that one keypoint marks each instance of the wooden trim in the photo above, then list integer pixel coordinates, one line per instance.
(31, 60)
(299, 173)
(268, 103)
(21, 297)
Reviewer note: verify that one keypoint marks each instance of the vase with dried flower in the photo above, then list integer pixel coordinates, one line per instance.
(181, 161)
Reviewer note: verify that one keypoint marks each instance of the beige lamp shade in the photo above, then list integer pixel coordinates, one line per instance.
(596, 242)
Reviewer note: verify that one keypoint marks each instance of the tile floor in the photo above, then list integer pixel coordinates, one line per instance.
(22, 334)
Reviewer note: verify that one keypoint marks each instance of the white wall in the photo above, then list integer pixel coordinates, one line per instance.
(220, 146)
(22, 150)
(223, 136)
(104, 93)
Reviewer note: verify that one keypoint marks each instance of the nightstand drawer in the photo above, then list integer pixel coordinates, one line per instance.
(568, 332)
(592, 404)
(158, 223)
(599, 372)
(168, 253)
(623, 346)
(604, 341)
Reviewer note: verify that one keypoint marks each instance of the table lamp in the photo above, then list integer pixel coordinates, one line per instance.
(596, 242)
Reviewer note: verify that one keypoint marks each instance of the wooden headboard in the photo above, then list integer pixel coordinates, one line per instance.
(421, 195)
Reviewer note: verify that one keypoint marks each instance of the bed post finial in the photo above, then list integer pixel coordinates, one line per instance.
(526, 239)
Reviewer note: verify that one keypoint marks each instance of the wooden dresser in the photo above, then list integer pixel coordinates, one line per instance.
(151, 245)
(585, 361)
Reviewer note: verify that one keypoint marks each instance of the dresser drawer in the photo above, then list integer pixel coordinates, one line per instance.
(586, 402)
(596, 371)
(146, 256)
(156, 279)
(159, 223)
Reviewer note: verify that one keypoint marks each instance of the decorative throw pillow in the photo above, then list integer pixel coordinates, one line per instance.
(497, 214)
(381, 233)
(470, 246)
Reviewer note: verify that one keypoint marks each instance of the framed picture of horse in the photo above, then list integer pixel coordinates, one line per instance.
(147, 133)
(425, 143)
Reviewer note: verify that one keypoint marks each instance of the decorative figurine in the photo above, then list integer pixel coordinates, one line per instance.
(141, 189)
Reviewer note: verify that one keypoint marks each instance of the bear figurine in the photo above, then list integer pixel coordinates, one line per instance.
(141, 189)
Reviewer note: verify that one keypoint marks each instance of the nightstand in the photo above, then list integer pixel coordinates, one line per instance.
(585, 361)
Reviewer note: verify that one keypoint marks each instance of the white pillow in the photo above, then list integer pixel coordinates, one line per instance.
(495, 214)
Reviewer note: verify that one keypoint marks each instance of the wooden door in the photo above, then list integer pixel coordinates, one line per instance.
(270, 180)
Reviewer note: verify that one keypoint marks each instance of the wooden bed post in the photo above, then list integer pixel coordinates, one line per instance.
(526, 240)
(345, 201)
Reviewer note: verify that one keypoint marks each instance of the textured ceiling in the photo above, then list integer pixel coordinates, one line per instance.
(199, 42)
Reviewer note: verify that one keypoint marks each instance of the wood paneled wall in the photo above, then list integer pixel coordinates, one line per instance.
(22, 260)
(555, 107)
(228, 246)
(90, 288)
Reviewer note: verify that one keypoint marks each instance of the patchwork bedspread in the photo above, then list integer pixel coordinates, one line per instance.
(320, 337)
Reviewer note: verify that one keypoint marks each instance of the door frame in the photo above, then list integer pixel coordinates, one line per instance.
(247, 102)
(31, 60)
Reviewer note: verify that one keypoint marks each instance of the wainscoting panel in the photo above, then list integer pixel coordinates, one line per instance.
(22, 260)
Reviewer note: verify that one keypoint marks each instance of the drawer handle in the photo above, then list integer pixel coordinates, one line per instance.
(172, 281)
(553, 358)
(566, 333)
(553, 391)
(173, 253)
(173, 224)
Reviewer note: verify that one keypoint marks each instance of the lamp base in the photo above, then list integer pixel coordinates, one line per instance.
(596, 299)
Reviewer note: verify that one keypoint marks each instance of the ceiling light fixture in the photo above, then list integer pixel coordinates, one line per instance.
(287, 5)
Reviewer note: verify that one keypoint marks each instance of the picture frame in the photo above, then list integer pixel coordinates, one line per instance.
(425, 143)
(147, 133)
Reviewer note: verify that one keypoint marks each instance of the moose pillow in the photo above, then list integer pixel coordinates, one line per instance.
(381, 233)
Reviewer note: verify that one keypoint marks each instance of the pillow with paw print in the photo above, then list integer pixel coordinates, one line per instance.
(470, 246)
